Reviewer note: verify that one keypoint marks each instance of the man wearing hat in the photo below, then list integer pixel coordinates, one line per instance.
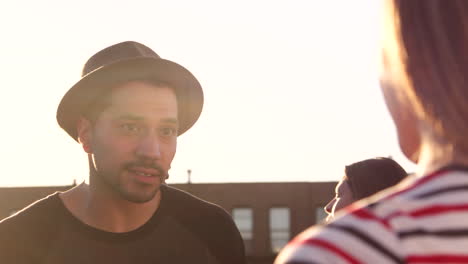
(126, 112)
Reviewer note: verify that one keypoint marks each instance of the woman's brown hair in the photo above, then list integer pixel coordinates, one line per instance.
(425, 55)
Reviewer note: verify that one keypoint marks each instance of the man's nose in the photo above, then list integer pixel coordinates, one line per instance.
(149, 147)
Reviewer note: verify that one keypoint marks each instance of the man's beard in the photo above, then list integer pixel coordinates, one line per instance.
(118, 186)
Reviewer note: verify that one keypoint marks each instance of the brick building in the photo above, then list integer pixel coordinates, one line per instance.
(267, 214)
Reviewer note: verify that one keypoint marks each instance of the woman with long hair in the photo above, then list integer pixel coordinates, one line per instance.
(363, 179)
(424, 82)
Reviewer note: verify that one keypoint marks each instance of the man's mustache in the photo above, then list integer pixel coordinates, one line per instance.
(162, 173)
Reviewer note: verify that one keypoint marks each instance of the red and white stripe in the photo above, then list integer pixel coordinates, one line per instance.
(401, 227)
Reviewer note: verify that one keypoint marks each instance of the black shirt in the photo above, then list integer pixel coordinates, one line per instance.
(184, 229)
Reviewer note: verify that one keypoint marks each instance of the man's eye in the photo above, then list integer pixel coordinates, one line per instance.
(168, 131)
(130, 128)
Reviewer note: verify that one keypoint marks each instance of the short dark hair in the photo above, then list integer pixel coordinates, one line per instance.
(370, 176)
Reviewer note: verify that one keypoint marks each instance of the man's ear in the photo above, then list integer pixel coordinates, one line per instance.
(85, 130)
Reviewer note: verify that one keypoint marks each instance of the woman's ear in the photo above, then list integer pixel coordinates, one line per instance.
(84, 128)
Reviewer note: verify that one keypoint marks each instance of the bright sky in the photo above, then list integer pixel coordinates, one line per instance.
(291, 89)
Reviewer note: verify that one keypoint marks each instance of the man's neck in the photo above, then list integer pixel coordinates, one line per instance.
(107, 212)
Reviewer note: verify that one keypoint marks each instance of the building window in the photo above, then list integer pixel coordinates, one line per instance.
(320, 215)
(279, 228)
(243, 217)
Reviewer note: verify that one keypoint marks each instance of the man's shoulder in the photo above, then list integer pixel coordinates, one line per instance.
(184, 203)
(209, 222)
(31, 217)
(25, 235)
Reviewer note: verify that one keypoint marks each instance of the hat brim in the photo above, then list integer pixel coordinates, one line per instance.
(188, 90)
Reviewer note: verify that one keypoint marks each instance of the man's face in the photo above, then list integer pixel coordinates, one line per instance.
(133, 141)
(343, 198)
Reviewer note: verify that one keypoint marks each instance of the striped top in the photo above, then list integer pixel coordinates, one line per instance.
(423, 220)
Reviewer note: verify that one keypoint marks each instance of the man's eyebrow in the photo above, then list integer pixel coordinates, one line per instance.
(139, 118)
(129, 117)
(170, 120)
